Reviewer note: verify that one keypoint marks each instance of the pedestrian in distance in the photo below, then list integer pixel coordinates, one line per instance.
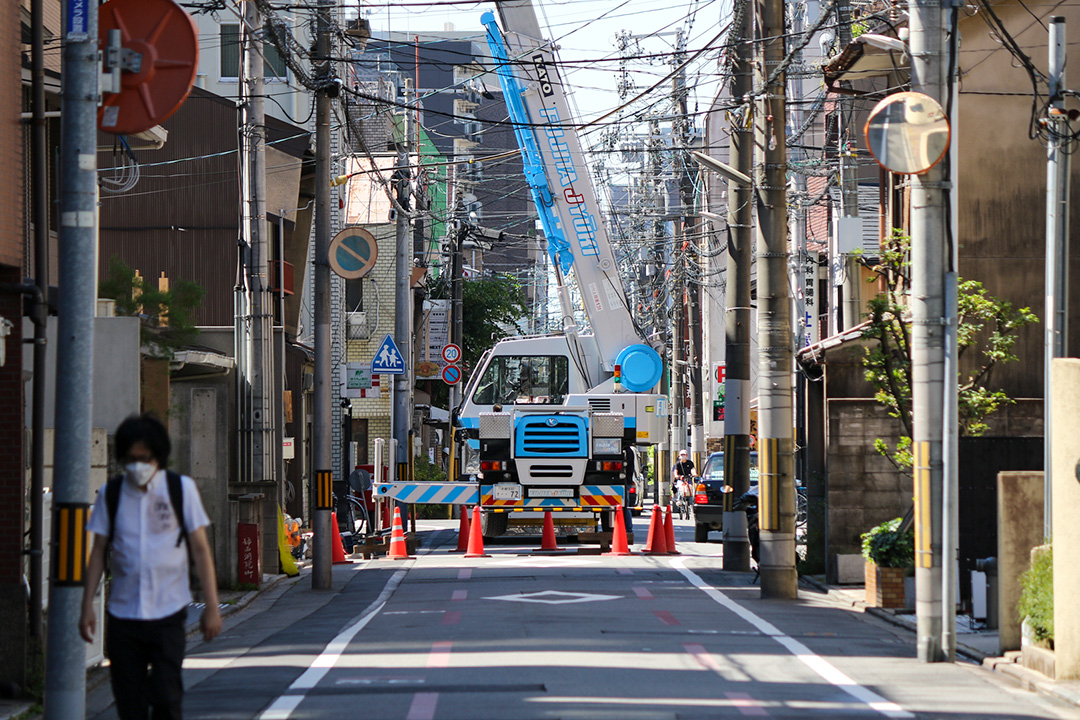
(153, 521)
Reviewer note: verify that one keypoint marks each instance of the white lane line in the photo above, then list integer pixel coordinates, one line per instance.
(283, 707)
(816, 663)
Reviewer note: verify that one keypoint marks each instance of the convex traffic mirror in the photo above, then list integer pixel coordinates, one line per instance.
(908, 133)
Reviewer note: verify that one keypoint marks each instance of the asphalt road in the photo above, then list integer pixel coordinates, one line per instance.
(520, 636)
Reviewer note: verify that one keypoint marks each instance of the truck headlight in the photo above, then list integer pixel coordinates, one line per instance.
(607, 446)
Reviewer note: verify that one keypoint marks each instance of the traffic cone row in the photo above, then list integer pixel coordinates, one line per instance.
(398, 549)
(619, 547)
(669, 533)
(657, 541)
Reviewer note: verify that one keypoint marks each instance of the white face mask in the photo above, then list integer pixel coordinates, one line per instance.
(140, 473)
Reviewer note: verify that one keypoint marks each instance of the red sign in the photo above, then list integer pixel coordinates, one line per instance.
(451, 353)
(451, 374)
(721, 372)
(247, 536)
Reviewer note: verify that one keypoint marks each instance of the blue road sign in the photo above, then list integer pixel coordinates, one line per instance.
(451, 374)
(387, 360)
(353, 253)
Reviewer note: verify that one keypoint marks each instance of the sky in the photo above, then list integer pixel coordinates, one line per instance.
(585, 31)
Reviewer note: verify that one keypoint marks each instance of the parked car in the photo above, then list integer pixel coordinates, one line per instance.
(708, 507)
(709, 496)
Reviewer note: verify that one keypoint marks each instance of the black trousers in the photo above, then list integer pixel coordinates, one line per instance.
(145, 657)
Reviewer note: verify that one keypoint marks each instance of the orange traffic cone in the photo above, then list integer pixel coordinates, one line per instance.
(337, 548)
(463, 531)
(656, 544)
(398, 549)
(547, 542)
(618, 537)
(669, 533)
(476, 536)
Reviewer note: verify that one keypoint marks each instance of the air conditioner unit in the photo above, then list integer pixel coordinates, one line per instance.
(357, 327)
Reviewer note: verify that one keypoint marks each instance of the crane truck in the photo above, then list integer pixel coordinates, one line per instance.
(554, 420)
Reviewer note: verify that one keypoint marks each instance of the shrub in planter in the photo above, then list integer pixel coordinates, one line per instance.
(889, 554)
(1037, 595)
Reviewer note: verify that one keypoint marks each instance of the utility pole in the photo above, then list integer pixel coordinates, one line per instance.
(1058, 154)
(323, 412)
(776, 516)
(662, 489)
(690, 283)
(737, 320)
(65, 671)
(929, 194)
(260, 420)
(403, 313)
(40, 194)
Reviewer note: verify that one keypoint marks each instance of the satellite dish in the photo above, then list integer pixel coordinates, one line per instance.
(165, 41)
(908, 133)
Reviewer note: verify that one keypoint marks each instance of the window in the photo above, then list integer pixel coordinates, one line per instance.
(273, 66)
(511, 379)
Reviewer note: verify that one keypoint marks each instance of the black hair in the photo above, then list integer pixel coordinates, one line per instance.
(148, 430)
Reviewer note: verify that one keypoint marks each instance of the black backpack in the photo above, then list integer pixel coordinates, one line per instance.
(176, 497)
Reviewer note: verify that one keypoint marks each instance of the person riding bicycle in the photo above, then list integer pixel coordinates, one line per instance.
(683, 474)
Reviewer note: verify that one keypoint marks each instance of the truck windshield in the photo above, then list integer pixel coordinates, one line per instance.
(524, 379)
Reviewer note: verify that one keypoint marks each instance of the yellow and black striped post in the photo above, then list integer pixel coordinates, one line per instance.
(324, 490)
(70, 544)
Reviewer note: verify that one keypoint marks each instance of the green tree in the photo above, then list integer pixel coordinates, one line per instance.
(167, 317)
(987, 328)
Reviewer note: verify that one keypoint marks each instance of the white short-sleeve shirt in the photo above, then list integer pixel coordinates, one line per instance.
(149, 570)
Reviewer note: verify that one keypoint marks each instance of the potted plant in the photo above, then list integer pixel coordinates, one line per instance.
(889, 555)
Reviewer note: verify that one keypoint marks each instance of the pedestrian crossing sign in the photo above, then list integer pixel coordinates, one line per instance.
(387, 360)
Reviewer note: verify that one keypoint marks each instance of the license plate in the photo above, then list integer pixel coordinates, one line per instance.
(507, 492)
(551, 492)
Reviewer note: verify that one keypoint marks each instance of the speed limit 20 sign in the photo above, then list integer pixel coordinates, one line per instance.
(451, 353)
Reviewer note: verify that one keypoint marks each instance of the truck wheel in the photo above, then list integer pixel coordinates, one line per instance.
(701, 533)
(492, 525)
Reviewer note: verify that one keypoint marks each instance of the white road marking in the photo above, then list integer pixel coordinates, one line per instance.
(816, 663)
(554, 597)
(283, 707)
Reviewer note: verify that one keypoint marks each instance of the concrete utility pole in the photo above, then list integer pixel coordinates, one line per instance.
(1056, 328)
(776, 459)
(65, 671)
(737, 321)
(403, 316)
(689, 231)
(929, 257)
(257, 419)
(323, 412)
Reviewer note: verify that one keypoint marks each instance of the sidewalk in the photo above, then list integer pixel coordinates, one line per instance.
(977, 645)
(230, 601)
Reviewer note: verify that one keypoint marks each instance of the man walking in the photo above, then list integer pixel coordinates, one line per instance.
(151, 518)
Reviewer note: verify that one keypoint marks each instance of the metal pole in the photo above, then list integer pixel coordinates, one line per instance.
(737, 320)
(950, 454)
(321, 426)
(776, 502)
(403, 317)
(928, 259)
(1057, 244)
(40, 211)
(65, 671)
